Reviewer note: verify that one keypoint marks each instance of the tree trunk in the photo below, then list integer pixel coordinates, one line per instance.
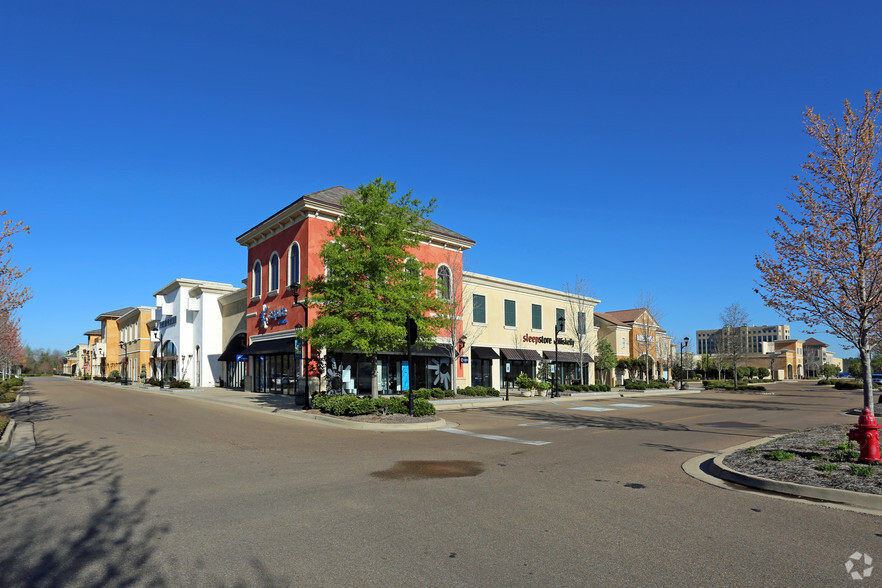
(867, 370)
(375, 381)
(454, 368)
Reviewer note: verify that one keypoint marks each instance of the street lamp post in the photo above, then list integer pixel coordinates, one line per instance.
(158, 334)
(124, 345)
(683, 346)
(558, 328)
(295, 290)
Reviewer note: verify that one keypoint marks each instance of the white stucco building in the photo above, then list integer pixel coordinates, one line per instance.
(188, 331)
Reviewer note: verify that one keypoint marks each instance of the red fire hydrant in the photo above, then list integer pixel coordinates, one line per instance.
(867, 436)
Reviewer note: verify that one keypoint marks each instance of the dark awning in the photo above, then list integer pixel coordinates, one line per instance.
(521, 354)
(234, 348)
(270, 347)
(568, 356)
(436, 350)
(484, 353)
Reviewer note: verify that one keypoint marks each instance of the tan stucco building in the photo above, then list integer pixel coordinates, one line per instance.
(511, 327)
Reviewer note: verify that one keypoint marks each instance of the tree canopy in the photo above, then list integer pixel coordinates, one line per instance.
(373, 278)
(13, 294)
(827, 266)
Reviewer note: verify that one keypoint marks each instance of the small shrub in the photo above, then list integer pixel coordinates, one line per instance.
(827, 468)
(423, 408)
(848, 385)
(864, 471)
(844, 452)
(179, 384)
(780, 455)
(750, 451)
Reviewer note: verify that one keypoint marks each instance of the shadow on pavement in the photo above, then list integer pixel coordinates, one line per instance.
(583, 419)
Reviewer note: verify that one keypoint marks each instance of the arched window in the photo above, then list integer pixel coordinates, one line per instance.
(444, 290)
(294, 264)
(274, 273)
(255, 280)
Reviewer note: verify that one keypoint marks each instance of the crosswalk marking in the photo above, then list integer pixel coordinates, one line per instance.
(592, 408)
(632, 405)
(495, 437)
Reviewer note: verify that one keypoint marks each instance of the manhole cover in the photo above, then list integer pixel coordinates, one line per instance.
(420, 470)
(731, 425)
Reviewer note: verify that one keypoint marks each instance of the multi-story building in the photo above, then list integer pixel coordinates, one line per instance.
(106, 352)
(511, 328)
(283, 253)
(635, 333)
(188, 329)
(707, 341)
(134, 342)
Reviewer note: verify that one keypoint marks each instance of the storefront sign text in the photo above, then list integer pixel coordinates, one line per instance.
(548, 340)
(169, 322)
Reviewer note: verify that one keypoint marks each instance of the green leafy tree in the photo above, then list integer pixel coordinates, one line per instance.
(373, 279)
(606, 360)
(829, 370)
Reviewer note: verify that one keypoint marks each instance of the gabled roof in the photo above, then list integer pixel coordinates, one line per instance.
(812, 342)
(625, 316)
(610, 318)
(330, 200)
(114, 314)
(93, 332)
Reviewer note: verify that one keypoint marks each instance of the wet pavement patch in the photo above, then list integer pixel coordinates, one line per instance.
(424, 470)
(731, 425)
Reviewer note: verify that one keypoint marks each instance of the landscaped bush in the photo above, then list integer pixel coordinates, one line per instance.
(848, 385)
(352, 405)
(641, 385)
(153, 382)
(179, 384)
(7, 396)
(525, 382)
(727, 385)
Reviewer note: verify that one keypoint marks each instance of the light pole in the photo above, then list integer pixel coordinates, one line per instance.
(683, 346)
(158, 334)
(124, 345)
(558, 328)
(295, 290)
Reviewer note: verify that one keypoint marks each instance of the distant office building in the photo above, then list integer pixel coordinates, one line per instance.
(754, 337)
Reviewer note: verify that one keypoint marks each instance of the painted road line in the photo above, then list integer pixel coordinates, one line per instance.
(632, 405)
(592, 408)
(495, 437)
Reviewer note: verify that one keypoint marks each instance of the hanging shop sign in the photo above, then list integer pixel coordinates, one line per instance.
(548, 340)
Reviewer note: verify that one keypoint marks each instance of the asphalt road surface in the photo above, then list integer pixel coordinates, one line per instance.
(130, 488)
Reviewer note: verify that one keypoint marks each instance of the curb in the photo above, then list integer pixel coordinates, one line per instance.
(716, 468)
(6, 440)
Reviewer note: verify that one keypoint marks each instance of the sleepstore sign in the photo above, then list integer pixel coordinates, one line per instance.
(547, 340)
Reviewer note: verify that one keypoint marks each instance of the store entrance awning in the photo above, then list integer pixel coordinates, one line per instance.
(568, 356)
(484, 353)
(234, 348)
(521, 354)
(271, 347)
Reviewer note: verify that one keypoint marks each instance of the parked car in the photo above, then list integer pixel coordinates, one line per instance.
(877, 378)
(843, 375)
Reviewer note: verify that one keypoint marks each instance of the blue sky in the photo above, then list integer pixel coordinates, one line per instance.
(642, 145)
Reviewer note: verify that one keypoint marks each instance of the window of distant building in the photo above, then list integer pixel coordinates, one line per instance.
(294, 264)
(274, 272)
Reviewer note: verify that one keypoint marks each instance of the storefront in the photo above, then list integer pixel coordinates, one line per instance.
(277, 365)
(235, 363)
(350, 373)
(568, 366)
(518, 361)
(481, 362)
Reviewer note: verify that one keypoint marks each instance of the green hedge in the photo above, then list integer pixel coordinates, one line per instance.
(727, 385)
(641, 385)
(588, 387)
(351, 405)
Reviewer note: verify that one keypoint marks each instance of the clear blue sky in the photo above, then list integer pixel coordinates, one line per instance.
(642, 145)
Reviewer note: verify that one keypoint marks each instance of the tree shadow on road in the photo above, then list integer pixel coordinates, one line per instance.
(571, 419)
(727, 404)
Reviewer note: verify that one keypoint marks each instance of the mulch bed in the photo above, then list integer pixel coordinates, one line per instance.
(391, 419)
(813, 448)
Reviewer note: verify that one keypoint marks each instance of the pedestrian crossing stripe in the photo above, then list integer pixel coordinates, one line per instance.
(592, 408)
(632, 405)
(494, 437)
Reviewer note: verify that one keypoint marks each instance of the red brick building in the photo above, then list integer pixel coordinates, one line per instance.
(283, 251)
